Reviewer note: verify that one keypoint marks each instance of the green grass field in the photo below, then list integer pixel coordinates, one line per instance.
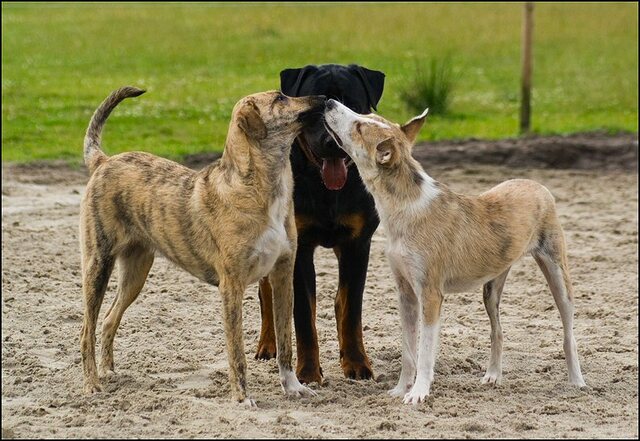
(196, 60)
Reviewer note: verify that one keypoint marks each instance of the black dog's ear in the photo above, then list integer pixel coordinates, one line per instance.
(373, 82)
(291, 79)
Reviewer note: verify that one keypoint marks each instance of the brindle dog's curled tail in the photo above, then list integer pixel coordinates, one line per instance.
(93, 154)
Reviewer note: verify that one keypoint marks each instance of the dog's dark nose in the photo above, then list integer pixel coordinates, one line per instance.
(318, 100)
(331, 104)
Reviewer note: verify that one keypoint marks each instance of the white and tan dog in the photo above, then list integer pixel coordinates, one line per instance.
(440, 241)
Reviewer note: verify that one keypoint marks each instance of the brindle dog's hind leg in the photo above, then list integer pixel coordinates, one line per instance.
(97, 265)
(133, 267)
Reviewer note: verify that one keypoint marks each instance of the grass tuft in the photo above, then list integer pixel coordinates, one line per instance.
(431, 87)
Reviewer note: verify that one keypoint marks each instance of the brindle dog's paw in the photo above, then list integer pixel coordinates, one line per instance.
(299, 391)
(92, 387)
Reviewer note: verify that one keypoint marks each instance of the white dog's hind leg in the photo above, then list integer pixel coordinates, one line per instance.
(409, 308)
(556, 273)
(491, 293)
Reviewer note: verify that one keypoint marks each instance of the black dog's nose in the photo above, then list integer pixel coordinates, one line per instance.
(331, 104)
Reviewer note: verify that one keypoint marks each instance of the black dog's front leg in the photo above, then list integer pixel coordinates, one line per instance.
(267, 344)
(304, 313)
(353, 258)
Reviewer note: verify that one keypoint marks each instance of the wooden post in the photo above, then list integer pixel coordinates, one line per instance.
(527, 65)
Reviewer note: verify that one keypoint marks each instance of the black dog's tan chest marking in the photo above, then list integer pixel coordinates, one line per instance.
(354, 222)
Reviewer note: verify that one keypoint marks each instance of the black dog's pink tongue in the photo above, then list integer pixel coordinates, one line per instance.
(334, 173)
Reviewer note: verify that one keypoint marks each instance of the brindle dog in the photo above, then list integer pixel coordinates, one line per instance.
(229, 224)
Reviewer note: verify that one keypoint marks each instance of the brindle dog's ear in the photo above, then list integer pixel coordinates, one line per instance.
(250, 122)
(412, 128)
(373, 81)
(291, 79)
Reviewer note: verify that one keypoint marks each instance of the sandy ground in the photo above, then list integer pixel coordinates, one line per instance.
(171, 378)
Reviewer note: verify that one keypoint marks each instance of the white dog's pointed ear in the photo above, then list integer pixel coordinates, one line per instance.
(384, 152)
(412, 128)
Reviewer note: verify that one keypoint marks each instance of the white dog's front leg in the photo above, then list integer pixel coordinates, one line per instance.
(409, 308)
(427, 349)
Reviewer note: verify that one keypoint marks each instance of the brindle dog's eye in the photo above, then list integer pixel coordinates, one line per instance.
(281, 97)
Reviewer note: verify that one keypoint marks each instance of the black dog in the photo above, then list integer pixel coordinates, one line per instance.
(333, 210)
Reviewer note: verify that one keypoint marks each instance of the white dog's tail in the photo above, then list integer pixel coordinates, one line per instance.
(93, 154)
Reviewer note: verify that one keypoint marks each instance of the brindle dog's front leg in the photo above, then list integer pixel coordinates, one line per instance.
(232, 292)
(281, 279)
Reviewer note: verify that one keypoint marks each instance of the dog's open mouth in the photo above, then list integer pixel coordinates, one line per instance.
(334, 173)
(333, 134)
(334, 170)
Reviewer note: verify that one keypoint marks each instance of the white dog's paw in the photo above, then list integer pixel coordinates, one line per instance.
(248, 403)
(417, 394)
(399, 390)
(578, 382)
(491, 378)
